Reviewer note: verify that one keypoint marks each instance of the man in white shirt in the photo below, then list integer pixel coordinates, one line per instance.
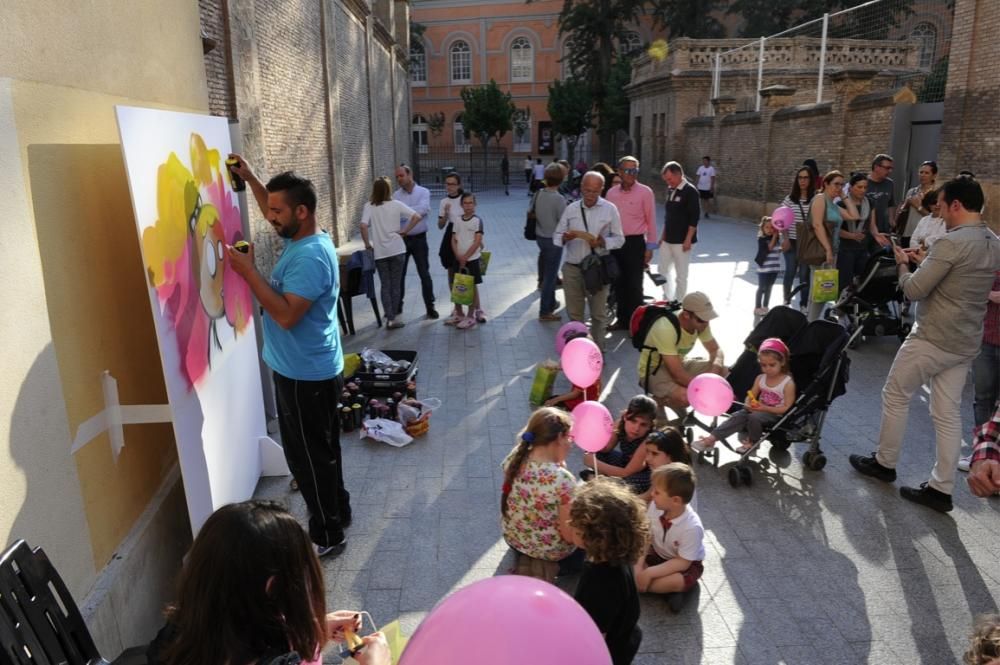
(706, 185)
(588, 225)
(419, 199)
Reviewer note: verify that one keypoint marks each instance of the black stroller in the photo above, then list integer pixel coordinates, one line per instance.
(873, 302)
(819, 365)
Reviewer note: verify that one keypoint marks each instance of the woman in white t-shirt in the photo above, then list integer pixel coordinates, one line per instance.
(930, 227)
(380, 222)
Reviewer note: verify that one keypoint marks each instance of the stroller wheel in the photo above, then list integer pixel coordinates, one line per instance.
(746, 477)
(765, 463)
(734, 476)
(816, 461)
(779, 440)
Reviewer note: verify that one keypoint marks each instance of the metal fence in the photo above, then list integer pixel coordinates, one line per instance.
(907, 41)
(481, 171)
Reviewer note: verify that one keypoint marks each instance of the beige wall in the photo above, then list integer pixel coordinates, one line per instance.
(75, 301)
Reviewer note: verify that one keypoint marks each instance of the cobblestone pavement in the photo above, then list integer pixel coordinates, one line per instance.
(802, 567)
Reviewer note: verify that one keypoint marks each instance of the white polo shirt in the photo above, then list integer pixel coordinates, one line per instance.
(685, 539)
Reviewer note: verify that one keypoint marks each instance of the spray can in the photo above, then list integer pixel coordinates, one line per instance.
(391, 405)
(356, 416)
(346, 419)
(238, 183)
(411, 389)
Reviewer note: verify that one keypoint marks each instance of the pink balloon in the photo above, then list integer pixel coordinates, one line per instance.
(571, 328)
(782, 218)
(507, 619)
(582, 362)
(710, 394)
(592, 426)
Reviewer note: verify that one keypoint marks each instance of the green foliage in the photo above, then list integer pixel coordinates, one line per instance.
(489, 112)
(689, 18)
(768, 17)
(616, 106)
(570, 107)
(934, 85)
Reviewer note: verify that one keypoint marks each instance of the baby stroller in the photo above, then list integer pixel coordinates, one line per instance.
(873, 302)
(819, 366)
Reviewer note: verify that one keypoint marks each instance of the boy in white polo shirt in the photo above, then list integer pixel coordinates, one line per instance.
(677, 548)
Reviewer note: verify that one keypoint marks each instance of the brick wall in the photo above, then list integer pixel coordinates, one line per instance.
(295, 74)
(214, 25)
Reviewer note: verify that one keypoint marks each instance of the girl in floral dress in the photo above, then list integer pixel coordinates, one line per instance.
(537, 491)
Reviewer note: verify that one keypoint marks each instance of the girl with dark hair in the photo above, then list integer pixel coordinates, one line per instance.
(824, 211)
(628, 461)
(803, 190)
(537, 490)
(380, 222)
(252, 592)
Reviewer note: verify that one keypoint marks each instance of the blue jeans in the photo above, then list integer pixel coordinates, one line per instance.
(986, 382)
(550, 256)
(791, 268)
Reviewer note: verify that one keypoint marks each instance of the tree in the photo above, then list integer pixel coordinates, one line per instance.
(768, 17)
(489, 114)
(616, 107)
(690, 18)
(571, 109)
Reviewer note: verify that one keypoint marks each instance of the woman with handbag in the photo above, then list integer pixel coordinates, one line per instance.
(803, 191)
(822, 238)
(548, 206)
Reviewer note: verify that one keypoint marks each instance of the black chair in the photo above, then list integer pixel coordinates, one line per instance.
(40, 623)
(355, 282)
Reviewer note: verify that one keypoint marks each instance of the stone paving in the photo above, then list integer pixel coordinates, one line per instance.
(802, 567)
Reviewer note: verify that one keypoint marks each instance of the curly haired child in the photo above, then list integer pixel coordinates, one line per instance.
(607, 521)
(537, 490)
(673, 564)
(628, 461)
(985, 645)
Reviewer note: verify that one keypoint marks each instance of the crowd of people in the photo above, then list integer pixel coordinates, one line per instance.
(634, 528)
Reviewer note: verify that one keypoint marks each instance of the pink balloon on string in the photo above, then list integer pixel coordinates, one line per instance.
(507, 619)
(710, 394)
(592, 426)
(582, 362)
(782, 218)
(567, 330)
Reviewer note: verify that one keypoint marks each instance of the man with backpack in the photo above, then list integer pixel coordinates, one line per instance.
(666, 333)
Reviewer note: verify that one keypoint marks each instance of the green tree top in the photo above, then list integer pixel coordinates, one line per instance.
(489, 112)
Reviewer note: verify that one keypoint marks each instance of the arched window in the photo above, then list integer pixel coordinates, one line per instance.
(629, 43)
(418, 64)
(522, 61)
(522, 130)
(461, 62)
(926, 34)
(419, 129)
(458, 134)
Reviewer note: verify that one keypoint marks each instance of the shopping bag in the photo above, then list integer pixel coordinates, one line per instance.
(545, 378)
(462, 289)
(484, 261)
(824, 285)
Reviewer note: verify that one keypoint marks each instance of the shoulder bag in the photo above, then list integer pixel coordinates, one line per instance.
(529, 220)
(809, 249)
(598, 270)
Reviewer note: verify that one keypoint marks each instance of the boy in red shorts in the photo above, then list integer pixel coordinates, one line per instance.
(673, 564)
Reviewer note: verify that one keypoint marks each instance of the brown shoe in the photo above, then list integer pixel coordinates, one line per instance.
(550, 317)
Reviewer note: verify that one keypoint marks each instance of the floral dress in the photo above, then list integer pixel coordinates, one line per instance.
(531, 525)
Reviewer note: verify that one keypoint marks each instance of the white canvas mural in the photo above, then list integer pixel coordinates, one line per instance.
(186, 212)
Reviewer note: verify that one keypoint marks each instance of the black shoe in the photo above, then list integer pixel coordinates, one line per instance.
(345, 521)
(432, 313)
(332, 550)
(927, 496)
(586, 475)
(869, 466)
(675, 601)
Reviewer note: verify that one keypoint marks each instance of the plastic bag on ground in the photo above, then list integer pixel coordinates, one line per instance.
(386, 431)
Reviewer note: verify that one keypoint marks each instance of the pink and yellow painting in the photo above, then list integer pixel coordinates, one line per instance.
(185, 214)
(185, 256)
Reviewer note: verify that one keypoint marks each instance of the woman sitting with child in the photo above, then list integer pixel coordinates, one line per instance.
(537, 490)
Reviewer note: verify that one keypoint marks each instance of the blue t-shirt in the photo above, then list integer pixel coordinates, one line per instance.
(310, 350)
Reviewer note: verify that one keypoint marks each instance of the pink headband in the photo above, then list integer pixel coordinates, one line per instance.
(774, 345)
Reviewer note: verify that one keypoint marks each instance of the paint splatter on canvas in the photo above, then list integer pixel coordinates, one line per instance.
(186, 260)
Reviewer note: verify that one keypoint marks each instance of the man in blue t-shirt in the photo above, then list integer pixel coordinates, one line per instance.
(302, 347)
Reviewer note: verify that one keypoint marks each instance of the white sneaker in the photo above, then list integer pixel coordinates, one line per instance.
(964, 463)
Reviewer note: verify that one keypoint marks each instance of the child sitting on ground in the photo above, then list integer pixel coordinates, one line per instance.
(576, 394)
(537, 490)
(608, 523)
(628, 462)
(663, 447)
(772, 395)
(673, 563)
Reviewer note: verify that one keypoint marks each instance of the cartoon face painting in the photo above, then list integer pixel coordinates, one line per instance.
(184, 250)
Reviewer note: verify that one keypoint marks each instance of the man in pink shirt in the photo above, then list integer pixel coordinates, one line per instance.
(635, 205)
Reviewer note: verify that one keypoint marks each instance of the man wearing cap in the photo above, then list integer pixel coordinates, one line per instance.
(664, 368)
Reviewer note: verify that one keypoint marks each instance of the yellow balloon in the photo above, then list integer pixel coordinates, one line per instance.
(658, 49)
